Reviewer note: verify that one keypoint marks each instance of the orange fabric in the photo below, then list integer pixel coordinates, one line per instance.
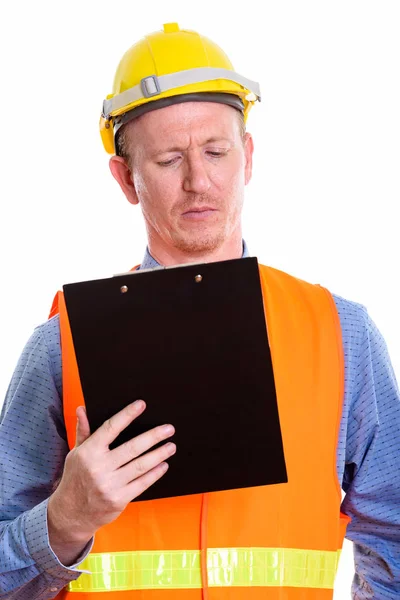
(54, 307)
(266, 593)
(306, 347)
(72, 389)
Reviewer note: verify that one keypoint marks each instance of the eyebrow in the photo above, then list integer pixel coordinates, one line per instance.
(179, 149)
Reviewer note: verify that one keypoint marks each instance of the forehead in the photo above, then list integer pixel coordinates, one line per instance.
(184, 123)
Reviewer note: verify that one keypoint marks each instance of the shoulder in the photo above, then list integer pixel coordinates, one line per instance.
(42, 345)
(49, 331)
(358, 328)
(354, 317)
(46, 339)
(351, 313)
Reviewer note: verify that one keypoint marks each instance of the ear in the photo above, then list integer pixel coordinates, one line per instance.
(122, 174)
(248, 153)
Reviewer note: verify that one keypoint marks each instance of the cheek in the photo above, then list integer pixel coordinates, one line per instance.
(156, 193)
(230, 179)
(150, 187)
(231, 170)
(140, 185)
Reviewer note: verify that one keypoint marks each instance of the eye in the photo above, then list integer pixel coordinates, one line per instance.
(167, 163)
(216, 153)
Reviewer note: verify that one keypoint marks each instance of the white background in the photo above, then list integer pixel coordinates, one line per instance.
(324, 198)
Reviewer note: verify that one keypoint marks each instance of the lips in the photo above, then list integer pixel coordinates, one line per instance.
(199, 209)
(202, 213)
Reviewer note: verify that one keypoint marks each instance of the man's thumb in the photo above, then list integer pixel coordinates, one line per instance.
(82, 426)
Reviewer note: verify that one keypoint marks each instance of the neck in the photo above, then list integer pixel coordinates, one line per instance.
(168, 256)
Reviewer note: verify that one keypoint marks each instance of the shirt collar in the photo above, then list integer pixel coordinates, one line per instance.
(149, 262)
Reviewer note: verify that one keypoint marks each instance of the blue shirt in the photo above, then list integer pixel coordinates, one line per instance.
(33, 447)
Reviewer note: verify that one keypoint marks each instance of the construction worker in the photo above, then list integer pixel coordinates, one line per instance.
(175, 127)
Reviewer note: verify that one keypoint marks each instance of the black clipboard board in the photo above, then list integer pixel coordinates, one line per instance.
(192, 342)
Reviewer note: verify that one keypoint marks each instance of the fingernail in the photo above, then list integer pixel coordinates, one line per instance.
(168, 429)
(139, 403)
(171, 447)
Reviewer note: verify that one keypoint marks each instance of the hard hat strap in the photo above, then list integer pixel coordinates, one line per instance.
(152, 86)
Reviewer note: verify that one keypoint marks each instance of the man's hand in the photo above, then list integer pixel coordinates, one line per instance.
(98, 483)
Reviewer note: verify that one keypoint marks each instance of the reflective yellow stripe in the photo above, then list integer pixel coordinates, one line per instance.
(118, 571)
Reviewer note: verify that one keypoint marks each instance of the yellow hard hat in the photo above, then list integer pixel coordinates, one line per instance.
(167, 67)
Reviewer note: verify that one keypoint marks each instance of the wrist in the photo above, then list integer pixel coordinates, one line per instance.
(64, 528)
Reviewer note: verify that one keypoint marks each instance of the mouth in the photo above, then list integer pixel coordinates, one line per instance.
(198, 213)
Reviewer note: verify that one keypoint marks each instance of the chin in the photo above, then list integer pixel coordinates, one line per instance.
(199, 245)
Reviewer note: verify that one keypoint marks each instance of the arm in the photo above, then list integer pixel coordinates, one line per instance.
(372, 467)
(33, 449)
(94, 483)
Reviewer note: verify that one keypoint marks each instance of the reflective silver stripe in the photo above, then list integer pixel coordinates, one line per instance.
(150, 85)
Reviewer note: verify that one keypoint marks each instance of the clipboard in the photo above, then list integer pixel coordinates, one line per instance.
(192, 342)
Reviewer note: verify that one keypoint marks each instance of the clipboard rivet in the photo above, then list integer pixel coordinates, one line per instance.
(124, 289)
(198, 278)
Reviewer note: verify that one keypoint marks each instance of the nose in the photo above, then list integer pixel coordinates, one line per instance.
(196, 178)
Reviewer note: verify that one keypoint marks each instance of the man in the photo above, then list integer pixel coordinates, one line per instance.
(183, 155)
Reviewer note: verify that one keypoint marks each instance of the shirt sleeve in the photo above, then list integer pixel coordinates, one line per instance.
(372, 469)
(33, 448)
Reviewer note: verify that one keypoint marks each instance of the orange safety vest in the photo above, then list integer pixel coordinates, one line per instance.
(278, 541)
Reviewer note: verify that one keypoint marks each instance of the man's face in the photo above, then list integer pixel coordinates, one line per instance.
(189, 165)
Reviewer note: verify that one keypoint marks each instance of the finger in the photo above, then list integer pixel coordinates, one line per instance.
(82, 426)
(140, 444)
(111, 428)
(145, 463)
(137, 487)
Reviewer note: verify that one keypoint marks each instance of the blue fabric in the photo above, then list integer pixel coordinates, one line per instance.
(33, 447)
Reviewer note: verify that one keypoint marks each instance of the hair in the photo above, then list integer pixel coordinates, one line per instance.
(122, 144)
